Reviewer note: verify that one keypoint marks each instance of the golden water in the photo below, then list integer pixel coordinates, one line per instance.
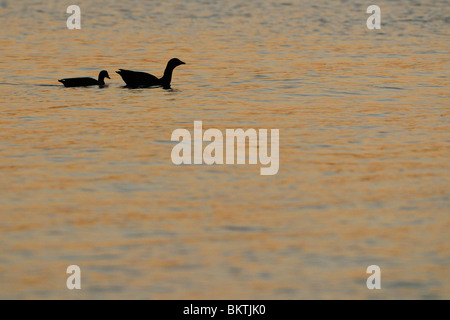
(86, 176)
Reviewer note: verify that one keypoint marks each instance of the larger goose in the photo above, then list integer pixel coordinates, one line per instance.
(135, 79)
(86, 82)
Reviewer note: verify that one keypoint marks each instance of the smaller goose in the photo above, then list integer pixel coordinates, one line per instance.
(135, 79)
(85, 82)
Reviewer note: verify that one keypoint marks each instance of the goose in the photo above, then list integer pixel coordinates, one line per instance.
(135, 79)
(85, 82)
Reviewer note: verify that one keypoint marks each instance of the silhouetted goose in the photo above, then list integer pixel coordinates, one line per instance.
(135, 79)
(85, 82)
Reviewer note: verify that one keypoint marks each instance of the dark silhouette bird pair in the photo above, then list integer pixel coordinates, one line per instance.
(133, 79)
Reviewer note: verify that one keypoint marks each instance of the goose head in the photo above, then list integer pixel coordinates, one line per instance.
(103, 74)
(173, 63)
(101, 77)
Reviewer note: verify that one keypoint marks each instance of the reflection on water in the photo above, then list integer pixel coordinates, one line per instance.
(86, 176)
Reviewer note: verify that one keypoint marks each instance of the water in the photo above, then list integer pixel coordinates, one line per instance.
(86, 176)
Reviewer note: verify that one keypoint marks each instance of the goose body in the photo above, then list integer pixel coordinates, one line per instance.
(135, 79)
(85, 81)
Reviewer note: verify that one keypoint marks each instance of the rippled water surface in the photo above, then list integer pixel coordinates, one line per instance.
(86, 176)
